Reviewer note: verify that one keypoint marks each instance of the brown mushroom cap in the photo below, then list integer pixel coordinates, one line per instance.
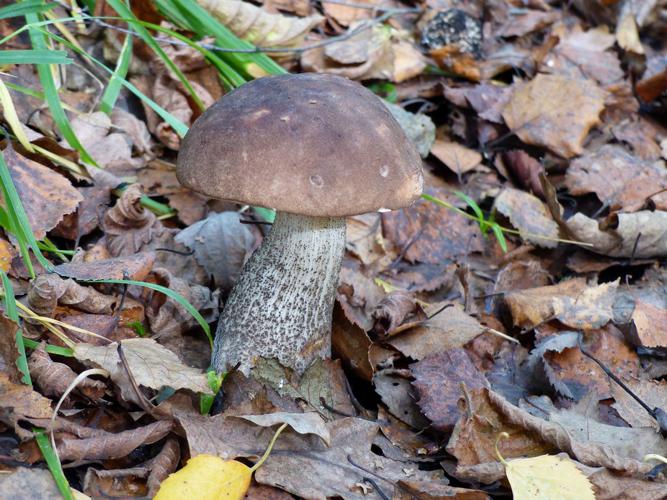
(309, 144)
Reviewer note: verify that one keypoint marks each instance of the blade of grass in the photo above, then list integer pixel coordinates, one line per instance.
(9, 302)
(51, 93)
(12, 118)
(53, 463)
(204, 24)
(145, 35)
(35, 56)
(24, 8)
(169, 293)
(115, 84)
(51, 349)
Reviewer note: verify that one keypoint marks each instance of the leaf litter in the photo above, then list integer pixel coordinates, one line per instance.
(543, 142)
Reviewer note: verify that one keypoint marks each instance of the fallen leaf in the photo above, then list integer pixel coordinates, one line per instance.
(163, 464)
(50, 290)
(525, 169)
(46, 195)
(652, 392)
(458, 158)
(432, 234)
(19, 402)
(438, 380)
(88, 216)
(650, 325)
(151, 365)
(132, 267)
(548, 477)
(399, 396)
(347, 14)
(9, 352)
(221, 245)
(638, 235)
(572, 302)
(259, 27)
(554, 112)
(451, 328)
(627, 34)
(358, 294)
(529, 216)
(392, 311)
(618, 179)
(107, 445)
(7, 253)
(528, 21)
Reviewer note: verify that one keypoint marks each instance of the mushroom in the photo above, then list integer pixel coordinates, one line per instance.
(316, 148)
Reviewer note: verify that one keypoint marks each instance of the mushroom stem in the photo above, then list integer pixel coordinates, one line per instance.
(282, 304)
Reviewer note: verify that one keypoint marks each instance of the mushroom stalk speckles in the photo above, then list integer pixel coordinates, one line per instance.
(282, 305)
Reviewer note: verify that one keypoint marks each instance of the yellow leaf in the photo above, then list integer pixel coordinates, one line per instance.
(207, 477)
(547, 477)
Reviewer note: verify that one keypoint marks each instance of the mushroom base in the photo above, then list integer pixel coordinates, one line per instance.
(281, 307)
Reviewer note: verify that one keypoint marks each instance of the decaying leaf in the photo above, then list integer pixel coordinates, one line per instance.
(650, 324)
(259, 27)
(640, 234)
(131, 267)
(221, 245)
(458, 158)
(572, 302)
(129, 227)
(151, 365)
(393, 387)
(378, 52)
(19, 402)
(439, 380)
(392, 311)
(555, 112)
(54, 378)
(529, 216)
(46, 195)
(107, 445)
(652, 392)
(163, 464)
(50, 290)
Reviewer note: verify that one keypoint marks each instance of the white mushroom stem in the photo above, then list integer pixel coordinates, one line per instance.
(281, 307)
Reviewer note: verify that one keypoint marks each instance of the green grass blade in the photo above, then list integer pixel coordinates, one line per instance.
(204, 24)
(51, 349)
(115, 82)
(51, 93)
(179, 127)
(24, 8)
(500, 236)
(34, 57)
(53, 463)
(20, 225)
(9, 302)
(145, 35)
(169, 293)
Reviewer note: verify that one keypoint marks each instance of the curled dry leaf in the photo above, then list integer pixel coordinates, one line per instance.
(640, 235)
(163, 464)
(151, 365)
(555, 112)
(258, 26)
(50, 290)
(221, 245)
(9, 353)
(379, 52)
(572, 302)
(107, 445)
(392, 311)
(46, 195)
(619, 179)
(439, 380)
(54, 378)
(129, 227)
(527, 213)
(525, 169)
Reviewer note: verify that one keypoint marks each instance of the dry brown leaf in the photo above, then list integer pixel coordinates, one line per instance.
(432, 234)
(527, 213)
(639, 235)
(46, 195)
(627, 34)
(19, 402)
(458, 158)
(525, 169)
(572, 302)
(151, 365)
(618, 179)
(527, 21)
(128, 226)
(350, 344)
(258, 26)
(609, 485)
(652, 392)
(392, 311)
(347, 14)
(408, 490)
(358, 294)
(88, 215)
(555, 112)
(50, 290)
(379, 52)
(449, 329)
(7, 253)
(133, 267)
(393, 387)
(54, 378)
(107, 445)
(9, 353)
(650, 325)
(163, 464)
(439, 379)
